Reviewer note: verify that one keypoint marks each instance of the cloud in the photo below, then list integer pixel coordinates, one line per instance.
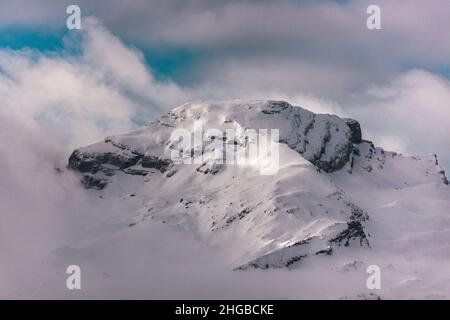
(51, 103)
(38, 205)
(296, 45)
(99, 90)
(408, 114)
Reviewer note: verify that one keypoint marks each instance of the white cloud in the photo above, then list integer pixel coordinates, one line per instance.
(409, 113)
(86, 96)
(51, 103)
(321, 40)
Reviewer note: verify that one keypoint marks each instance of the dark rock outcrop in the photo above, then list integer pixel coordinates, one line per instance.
(149, 161)
(97, 166)
(355, 128)
(104, 162)
(323, 139)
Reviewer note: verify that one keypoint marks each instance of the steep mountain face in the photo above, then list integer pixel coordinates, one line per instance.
(310, 206)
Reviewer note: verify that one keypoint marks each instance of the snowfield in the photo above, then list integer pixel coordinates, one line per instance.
(149, 227)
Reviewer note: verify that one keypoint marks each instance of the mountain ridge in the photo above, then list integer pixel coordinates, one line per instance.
(301, 211)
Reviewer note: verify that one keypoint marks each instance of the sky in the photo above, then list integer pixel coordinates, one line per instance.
(134, 60)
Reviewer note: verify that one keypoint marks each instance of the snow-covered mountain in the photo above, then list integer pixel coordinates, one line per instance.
(333, 191)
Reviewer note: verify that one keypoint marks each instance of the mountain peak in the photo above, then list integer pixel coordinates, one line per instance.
(324, 140)
(184, 170)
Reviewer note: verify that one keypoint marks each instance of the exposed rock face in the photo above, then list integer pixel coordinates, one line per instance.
(324, 140)
(97, 166)
(105, 162)
(149, 161)
(356, 130)
(355, 228)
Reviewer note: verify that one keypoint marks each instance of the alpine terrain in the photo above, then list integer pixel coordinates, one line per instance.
(333, 194)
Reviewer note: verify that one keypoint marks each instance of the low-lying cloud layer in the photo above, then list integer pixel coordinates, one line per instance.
(51, 103)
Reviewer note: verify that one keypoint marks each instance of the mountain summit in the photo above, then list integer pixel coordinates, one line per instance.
(328, 185)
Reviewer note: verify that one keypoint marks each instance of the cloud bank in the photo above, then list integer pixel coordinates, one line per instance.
(319, 47)
(52, 102)
(99, 89)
